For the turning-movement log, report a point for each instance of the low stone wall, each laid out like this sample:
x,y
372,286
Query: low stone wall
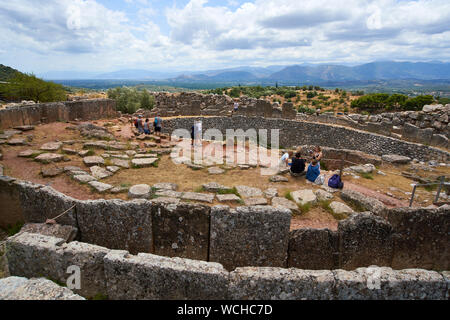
x,y
297,133
246,236
430,126
58,111
197,104
146,276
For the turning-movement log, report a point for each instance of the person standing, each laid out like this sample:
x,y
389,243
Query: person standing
x,y
147,126
235,107
158,125
140,125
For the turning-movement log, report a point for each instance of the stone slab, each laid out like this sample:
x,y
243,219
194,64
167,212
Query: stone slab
x,y
266,245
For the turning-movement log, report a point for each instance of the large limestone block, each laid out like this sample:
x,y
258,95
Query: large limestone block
x,y
313,249
421,238
233,245
117,224
68,233
383,283
365,239
340,208
19,288
10,208
280,284
363,202
35,255
151,277
181,230
39,203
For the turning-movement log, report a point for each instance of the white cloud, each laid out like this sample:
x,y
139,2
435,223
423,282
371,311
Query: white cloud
x,y
83,34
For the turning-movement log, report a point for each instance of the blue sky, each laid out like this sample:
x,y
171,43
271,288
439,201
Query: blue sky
x,y
99,35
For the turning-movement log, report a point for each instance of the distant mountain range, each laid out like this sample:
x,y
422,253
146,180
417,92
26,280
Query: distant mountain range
x,y
387,70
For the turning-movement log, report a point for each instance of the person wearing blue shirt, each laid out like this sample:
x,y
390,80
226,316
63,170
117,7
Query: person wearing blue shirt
x,y
313,171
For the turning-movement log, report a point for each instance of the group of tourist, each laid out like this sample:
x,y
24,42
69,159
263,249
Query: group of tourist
x,y
143,127
297,164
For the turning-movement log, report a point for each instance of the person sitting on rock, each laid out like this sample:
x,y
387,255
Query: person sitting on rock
x,y
147,126
284,161
298,165
313,171
317,154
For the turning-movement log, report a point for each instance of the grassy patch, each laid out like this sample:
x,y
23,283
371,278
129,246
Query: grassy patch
x,y
229,191
99,296
14,229
288,196
368,176
325,205
108,163
125,185
356,206
304,208
90,152
199,189
323,166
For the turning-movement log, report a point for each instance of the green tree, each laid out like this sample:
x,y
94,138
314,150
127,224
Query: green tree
x,y
418,102
28,87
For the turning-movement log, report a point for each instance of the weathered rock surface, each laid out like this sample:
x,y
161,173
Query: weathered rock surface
x,y
303,197
271,193
165,186
28,153
109,223
51,172
313,249
365,239
232,245
67,233
396,159
140,191
362,202
181,230
100,173
121,163
147,276
323,195
285,203
51,146
100,187
19,288
280,284
255,202
17,142
249,192
144,163
340,208
214,187
93,161
228,198
215,170
49,157
201,197
278,179
84,178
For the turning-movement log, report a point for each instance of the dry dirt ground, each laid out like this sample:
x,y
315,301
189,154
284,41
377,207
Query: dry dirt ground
x,y
190,180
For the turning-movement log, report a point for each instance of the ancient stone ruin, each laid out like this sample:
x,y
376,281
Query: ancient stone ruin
x,y
220,242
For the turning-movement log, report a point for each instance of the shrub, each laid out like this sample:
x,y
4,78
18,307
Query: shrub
x,y
130,99
303,109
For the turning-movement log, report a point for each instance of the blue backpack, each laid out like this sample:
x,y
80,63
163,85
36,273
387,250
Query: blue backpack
x,y
335,182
